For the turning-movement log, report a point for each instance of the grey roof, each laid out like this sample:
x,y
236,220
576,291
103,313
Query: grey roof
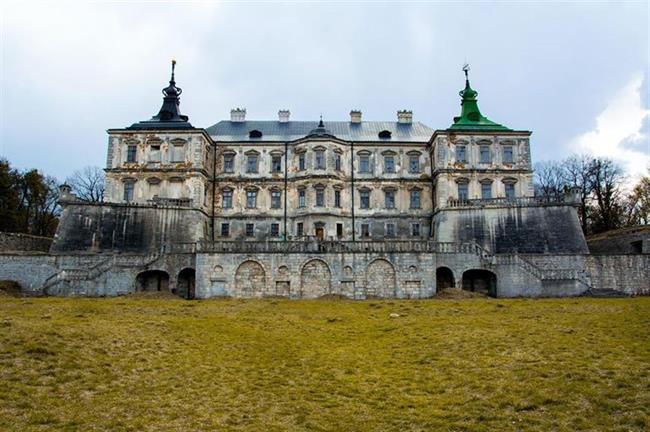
x,y
273,130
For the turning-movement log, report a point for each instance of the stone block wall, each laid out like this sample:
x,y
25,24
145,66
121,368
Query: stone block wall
x,y
627,273
17,242
30,271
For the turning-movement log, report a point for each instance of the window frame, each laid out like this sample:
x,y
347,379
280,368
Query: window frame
x,y
364,199
251,232
225,229
251,193
412,194
226,193
276,199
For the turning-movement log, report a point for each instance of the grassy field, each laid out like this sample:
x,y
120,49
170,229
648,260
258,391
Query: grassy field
x,y
274,365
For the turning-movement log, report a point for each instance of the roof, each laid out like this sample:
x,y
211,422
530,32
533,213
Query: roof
x,y
470,118
273,130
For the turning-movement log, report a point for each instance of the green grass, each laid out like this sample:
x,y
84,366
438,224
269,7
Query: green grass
x,y
274,365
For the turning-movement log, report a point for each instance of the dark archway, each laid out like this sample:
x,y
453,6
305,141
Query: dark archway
x,y
444,278
186,283
152,280
480,281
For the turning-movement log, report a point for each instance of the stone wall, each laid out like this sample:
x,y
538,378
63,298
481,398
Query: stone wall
x,y
552,229
17,242
627,273
29,270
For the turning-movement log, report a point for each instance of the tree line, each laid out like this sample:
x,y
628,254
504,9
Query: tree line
x,y
29,198
607,201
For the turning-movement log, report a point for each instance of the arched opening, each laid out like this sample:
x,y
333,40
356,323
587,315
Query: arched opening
x,y
250,279
186,282
315,279
380,279
444,278
480,281
151,281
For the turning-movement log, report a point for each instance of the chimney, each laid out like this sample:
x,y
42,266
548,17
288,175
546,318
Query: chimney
x,y
355,116
283,116
405,117
238,115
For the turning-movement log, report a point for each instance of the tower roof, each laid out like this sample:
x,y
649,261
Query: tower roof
x,y
169,116
470,117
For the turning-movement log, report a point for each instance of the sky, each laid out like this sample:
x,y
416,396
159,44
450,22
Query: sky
x,y
574,73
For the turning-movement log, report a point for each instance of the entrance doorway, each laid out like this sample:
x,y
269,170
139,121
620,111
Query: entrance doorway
x,y
186,283
444,278
320,230
480,281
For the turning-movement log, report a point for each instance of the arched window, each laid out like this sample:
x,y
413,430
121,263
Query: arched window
x,y
255,134
385,134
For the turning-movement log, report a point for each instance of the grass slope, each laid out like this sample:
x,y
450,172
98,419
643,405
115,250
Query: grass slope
x,y
275,365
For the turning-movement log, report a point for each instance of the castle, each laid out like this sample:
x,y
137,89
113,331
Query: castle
x,y
301,209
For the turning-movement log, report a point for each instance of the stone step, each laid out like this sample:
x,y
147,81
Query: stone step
x,y
606,293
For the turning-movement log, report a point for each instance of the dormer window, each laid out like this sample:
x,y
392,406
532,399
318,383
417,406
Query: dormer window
x,y
255,134
385,134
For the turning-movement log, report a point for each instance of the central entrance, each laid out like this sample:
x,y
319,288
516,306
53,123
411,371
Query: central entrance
x,y
320,230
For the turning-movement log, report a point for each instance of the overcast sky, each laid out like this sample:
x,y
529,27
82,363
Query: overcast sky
x,y
576,74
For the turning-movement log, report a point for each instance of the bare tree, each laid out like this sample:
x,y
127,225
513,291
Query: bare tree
x,y
637,204
578,175
88,184
606,178
550,179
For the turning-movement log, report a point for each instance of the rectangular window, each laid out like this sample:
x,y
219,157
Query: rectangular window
x,y
299,229
128,191
389,164
510,191
364,163
390,230
339,230
276,164
275,230
320,197
178,153
415,229
319,159
507,155
389,199
226,199
462,192
301,162
337,162
365,230
251,199
337,198
276,198
486,190
301,198
251,165
154,153
131,153
365,199
485,154
461,154
229,163
225,230
414,164
415,199
250,230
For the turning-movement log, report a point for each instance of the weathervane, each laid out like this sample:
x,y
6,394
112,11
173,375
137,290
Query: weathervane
x,y
466,70
173,67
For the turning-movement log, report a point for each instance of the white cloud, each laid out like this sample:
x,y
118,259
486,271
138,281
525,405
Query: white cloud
x,y
619,125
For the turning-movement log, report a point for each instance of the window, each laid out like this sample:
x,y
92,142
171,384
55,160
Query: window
x,y
339,230
251,165
131,153
462,191
365,199
177,153
485,154
229,163
384,134
301,162
390,230
415,199
250,230
364,163
319,159
276,163
486,190
337,162
275,230
389,199
461,153
414,164
255,134
389,164
337,198
226,199
154,153
365,230
225,230
128,191
415,229
251,199
507,155
320,197
510,191
301,198
299,229
276,197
